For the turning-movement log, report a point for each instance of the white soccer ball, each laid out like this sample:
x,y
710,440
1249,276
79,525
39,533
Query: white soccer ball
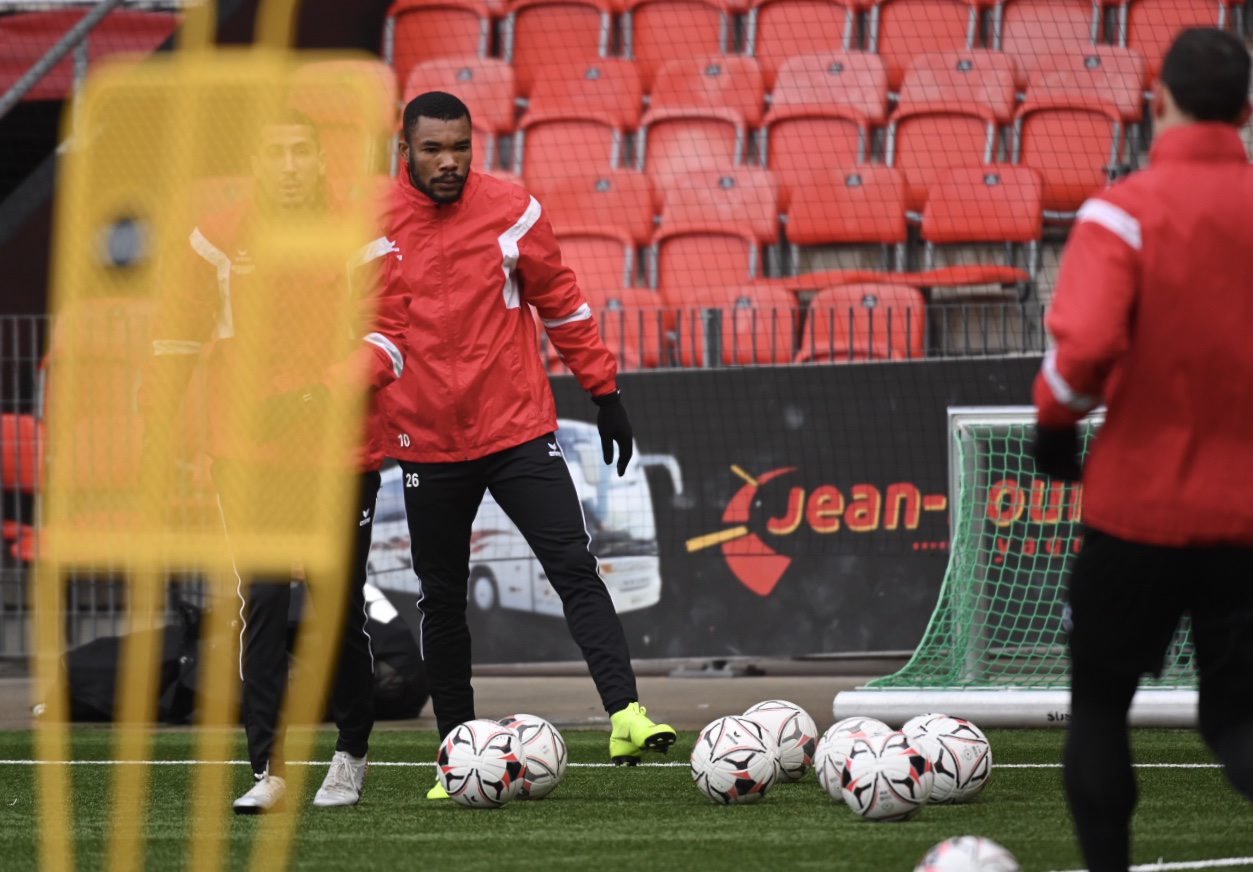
x,y
481,764
834,746
968,854
735,761
910,727
960,755
546,754
793,730
886,778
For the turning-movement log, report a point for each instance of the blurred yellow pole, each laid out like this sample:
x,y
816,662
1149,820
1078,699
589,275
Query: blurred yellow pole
x,y
56,844
276,23
199,25
217,727
136,710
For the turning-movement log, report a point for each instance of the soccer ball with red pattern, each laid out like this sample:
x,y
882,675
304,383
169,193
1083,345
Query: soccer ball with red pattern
x,y
546,754
793,730
968,854
735,761
834,746
886,778
481,764
960,755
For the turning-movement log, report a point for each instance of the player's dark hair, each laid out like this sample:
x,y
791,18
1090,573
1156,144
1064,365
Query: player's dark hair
x,y
1207,72
291,117
434,104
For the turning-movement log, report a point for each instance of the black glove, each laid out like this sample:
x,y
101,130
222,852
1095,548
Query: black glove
x,y
614,426
1056,452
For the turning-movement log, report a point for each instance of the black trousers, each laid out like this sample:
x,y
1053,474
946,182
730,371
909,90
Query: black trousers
x,y
265,604
1126,600
532,484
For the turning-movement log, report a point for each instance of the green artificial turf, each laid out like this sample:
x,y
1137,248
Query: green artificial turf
x,y
641,819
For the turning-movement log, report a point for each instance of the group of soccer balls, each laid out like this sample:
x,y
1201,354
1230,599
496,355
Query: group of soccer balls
x,y
880,773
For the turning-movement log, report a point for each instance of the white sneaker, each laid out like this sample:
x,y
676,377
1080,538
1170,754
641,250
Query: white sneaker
x,y
265,795
344,782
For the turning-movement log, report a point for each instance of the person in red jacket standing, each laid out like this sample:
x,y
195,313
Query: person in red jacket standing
x,y
474,410
1153,314
219,307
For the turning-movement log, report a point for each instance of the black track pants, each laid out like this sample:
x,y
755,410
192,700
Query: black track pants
x,y
1126,600
532,485
266,602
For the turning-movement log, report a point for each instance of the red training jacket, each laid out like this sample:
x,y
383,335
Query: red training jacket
x,y
474,383
1153,314
222,302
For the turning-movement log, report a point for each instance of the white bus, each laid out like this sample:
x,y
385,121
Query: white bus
x,y
504,574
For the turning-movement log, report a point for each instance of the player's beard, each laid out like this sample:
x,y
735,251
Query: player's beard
x,y
416,179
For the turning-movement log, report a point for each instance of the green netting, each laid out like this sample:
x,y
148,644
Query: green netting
x,y
998,620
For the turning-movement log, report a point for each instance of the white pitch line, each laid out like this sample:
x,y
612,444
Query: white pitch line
x,y
1225,863
411,764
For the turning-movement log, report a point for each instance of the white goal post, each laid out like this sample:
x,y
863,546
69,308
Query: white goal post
x,y
994,650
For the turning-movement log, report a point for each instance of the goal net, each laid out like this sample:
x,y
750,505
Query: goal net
x,y
998,624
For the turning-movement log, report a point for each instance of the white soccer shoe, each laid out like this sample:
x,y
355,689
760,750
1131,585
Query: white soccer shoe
x,y
265,795
344,782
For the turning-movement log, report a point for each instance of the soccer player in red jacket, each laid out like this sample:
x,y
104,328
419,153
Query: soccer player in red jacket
x,y
474,411
1153,315
220,305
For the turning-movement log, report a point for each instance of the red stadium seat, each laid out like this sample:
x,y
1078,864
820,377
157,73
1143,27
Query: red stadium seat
x,y
337,113
1106,75
900,30
602,257
712,228
777,30
860,205
1073,141
976,77
675,142
634,323
728,82
864,322
485,85
21,441
1030,30
655,31
607,88
757,324
992,204
25,37
551,146
621,199
539,32
422,30
924,143
822,112
1150,26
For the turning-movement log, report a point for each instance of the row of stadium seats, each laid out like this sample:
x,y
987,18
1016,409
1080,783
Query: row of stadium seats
x,y
1077,123
756,324
534,32
713,229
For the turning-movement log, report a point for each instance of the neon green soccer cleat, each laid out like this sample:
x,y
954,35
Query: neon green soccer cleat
x,y
633,733
437,792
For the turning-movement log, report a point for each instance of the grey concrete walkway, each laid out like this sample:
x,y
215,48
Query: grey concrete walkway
x,y
570,700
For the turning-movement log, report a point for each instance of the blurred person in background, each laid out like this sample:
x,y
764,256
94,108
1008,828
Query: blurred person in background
x,y
215,309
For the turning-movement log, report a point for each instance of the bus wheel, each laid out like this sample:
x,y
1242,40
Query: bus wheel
x,y
483,591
